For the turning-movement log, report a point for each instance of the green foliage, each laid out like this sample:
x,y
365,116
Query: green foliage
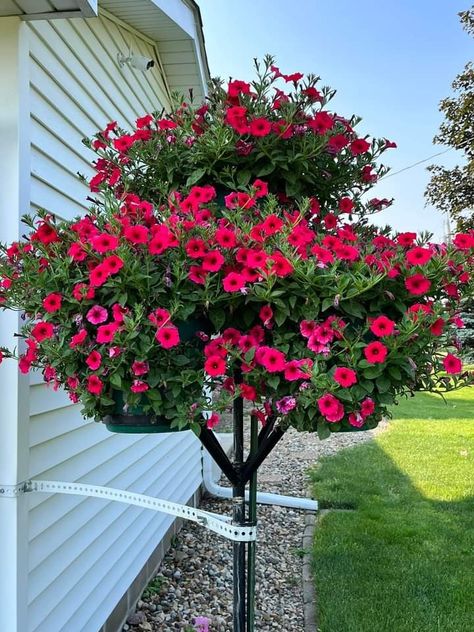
x,y
452,190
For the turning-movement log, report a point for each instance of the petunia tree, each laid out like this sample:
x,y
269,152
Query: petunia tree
x,y
229,257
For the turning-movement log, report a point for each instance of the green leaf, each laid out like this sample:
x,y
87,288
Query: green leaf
x,y
217,317
344,394
352,308
195,176
266,170
249,356
181,360
395,372
273,381
368,385
280,317
116,380
323,430
386,398
249,317
372,372
243,177
383,384
328,302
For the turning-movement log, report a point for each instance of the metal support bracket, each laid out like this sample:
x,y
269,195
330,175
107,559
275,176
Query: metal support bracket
x,y
214,522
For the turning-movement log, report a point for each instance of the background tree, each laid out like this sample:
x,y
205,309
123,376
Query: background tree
x,y
452,190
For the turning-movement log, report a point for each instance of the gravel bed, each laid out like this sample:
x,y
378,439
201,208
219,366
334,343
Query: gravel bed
x,y
195,577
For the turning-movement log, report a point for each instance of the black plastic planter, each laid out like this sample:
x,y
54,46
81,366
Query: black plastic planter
x,y
131,419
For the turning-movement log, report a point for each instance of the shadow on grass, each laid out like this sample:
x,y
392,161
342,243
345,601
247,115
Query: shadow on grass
x,y
401,562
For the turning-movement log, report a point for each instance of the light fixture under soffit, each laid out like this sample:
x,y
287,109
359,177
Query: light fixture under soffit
x,y
135,61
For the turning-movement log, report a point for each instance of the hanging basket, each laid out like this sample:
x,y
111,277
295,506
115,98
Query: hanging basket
x,y
131,419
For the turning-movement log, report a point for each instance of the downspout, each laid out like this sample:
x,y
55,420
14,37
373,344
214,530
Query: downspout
x,y
263,498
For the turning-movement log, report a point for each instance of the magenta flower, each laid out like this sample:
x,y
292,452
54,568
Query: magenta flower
x,y
201,624
97,315
285,405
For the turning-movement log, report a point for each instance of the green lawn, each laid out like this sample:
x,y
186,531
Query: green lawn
x,y
403,559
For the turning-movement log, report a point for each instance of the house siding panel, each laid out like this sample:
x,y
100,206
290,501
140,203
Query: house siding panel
x,y
85,552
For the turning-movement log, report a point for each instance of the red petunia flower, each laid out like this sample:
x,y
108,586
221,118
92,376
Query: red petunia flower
x,y
197,274
123,143
346,205
42,331
382,326
98,276
359,146
337,143
272,224
233,282
406,239
331,408
452,364
112,264
139,386
212,421
272,359
76,252
298,370
225,237
94,360
52,302
104,242
46,234
260,188
266,314
78,339
106,333
281,266
321,123
375,352
140,368
82,291
94,385
168,336
136,234
213,261
367,407
418,256
463,241
437,327
248,392
417,284
345,377
215,366
260,127
196,248
356,420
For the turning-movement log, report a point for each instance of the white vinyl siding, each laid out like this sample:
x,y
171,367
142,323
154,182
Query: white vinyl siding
x,y
84,553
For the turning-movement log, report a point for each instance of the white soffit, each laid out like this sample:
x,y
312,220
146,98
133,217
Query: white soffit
x,y
48,9
176,27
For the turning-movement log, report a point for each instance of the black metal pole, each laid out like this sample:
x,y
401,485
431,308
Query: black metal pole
x,y
238,493
252,551
212,445
254,461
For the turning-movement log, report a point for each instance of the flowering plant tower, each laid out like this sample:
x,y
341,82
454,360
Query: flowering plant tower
x,y
228,256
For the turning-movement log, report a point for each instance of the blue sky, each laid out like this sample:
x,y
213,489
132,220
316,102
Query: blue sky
x,y
391,61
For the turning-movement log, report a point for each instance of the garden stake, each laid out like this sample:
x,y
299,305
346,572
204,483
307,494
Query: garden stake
x,y
252,520
238,493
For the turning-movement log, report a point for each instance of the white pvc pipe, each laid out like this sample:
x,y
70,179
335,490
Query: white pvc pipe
x,y
263,498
